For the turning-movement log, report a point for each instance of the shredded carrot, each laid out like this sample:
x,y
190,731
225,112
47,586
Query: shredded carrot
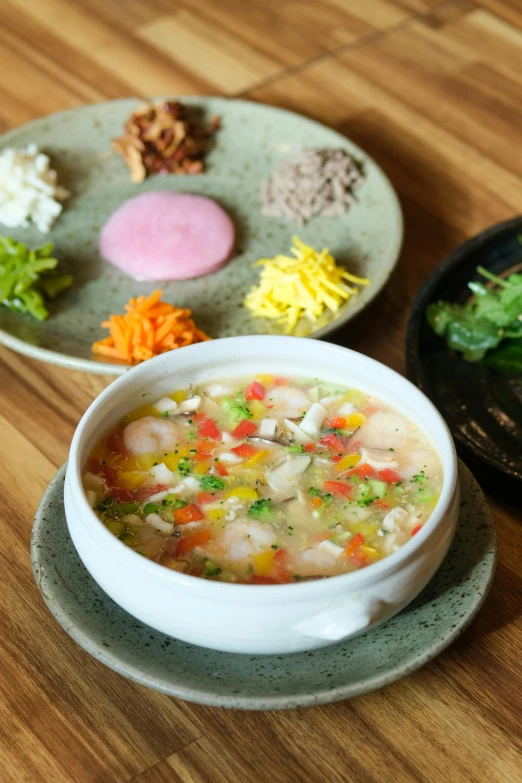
x,y
148,328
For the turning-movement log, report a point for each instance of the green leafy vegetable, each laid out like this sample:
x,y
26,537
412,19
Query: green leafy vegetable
x,y
26,276
480,325
114,510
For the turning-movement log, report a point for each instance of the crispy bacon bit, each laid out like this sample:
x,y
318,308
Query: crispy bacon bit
x,y
161,138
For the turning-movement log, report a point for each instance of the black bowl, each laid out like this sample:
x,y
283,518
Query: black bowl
x,y
482,406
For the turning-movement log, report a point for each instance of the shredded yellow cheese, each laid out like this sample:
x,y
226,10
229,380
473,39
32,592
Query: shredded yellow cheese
x,y
304,284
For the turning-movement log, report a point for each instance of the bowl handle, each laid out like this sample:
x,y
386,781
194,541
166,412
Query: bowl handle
x,y
342,621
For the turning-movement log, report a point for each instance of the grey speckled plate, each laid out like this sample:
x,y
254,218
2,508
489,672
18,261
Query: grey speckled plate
x,y
252,142
267,682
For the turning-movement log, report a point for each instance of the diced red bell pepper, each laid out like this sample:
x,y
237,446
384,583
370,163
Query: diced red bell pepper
x,y
309,447
334,442
122,495
339,423
208,429
208,497
196,569
338,488
115,443
200,457
197,417
187,543
110,473
221,469
190,513
416,529
279,381
255,391
143,493
279,570
94,466
336,458
380,503
389,475
244,450
363,471
353,545
244,429
204,447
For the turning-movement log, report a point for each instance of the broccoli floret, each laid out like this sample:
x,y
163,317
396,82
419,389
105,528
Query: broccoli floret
x,y
237,410
211,482
261,509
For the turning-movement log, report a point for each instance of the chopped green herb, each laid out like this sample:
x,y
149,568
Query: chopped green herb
x,y
27,276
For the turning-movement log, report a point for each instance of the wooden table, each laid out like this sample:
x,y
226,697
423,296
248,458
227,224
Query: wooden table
x,y
433,90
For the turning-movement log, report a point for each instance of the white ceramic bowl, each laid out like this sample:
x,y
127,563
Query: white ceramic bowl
x,y
259,618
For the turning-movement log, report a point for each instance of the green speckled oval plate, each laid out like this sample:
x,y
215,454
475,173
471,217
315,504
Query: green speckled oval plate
x,y
253,140
267,682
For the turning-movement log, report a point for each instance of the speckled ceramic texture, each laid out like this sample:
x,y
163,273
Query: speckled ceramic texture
x,y
265,682
249,147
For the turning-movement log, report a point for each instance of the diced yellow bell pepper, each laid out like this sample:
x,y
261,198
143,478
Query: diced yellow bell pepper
x,y
355,420
356,397
101,452
370,551
129,480
350,461
145,461
216,513
171,461
257,458
183,451
265,379
144,410
178,396
263,563
242,493
202,467
257,409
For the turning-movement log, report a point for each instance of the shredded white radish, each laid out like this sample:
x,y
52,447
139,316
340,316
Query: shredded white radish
x,y
190,405
166,405
154,520
90,481
158,496
300,436
231,459
162,474
267,428
313,420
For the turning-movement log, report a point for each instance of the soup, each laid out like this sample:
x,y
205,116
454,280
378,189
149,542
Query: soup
x,y
264,480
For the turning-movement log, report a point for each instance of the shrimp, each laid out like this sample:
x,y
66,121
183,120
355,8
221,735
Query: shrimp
x,y
318,559
150,435
242,538
287,402
417,460
385,431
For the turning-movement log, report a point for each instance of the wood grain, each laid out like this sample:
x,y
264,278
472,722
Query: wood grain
x,y
433,91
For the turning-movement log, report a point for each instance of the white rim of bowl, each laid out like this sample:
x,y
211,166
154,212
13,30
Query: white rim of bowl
x,y
244,593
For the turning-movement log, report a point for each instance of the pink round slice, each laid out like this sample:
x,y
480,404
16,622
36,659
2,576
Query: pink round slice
x,y
167,236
